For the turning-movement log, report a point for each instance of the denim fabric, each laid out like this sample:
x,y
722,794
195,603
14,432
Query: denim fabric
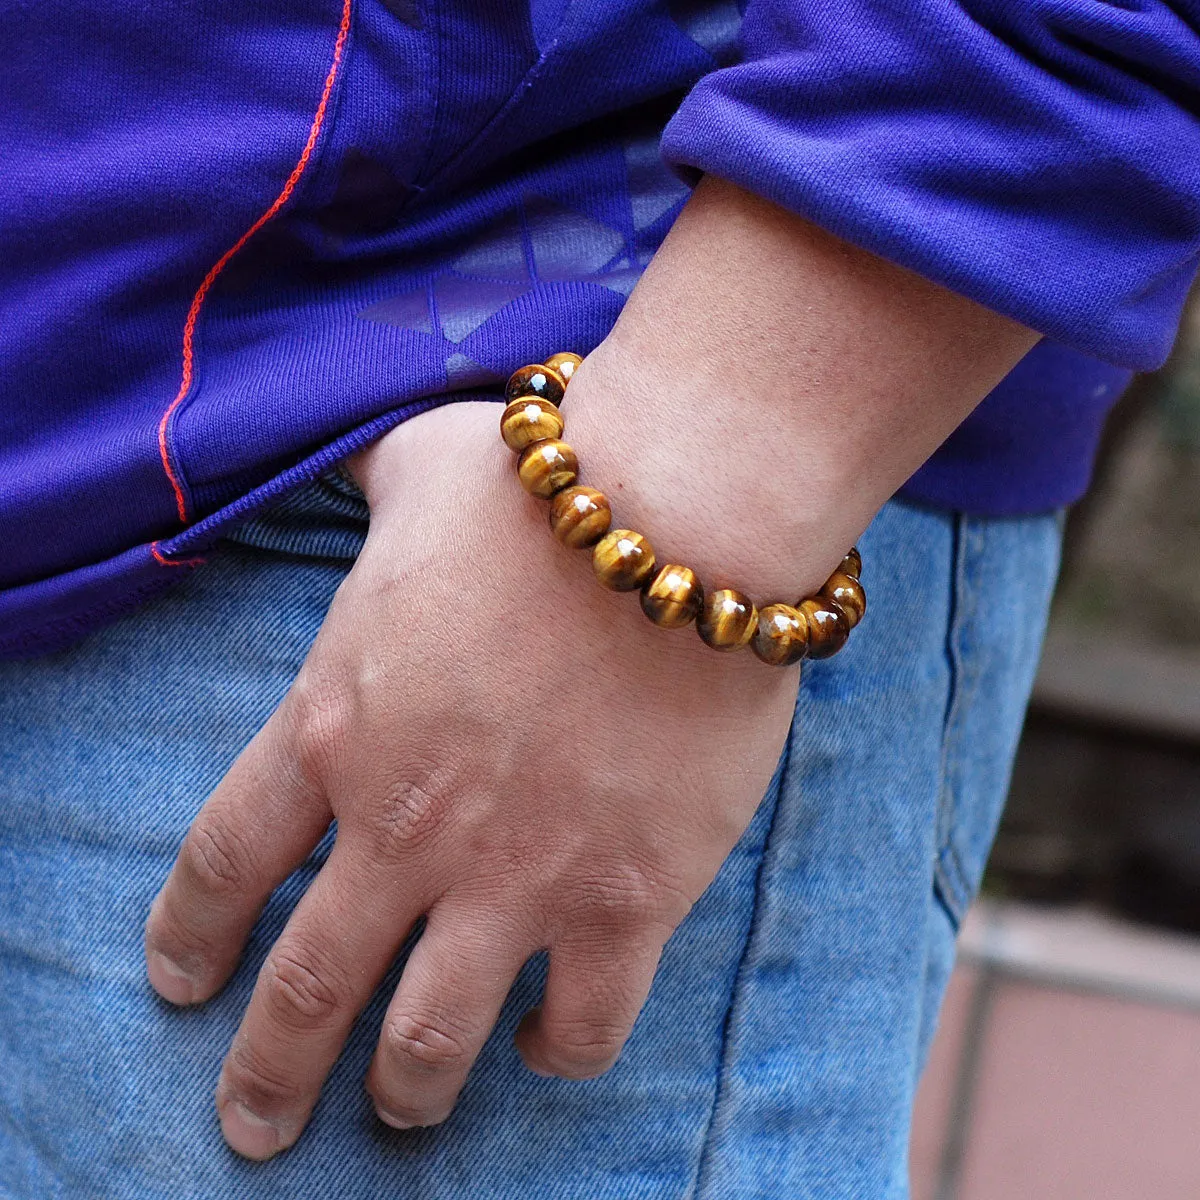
x,y
779,1049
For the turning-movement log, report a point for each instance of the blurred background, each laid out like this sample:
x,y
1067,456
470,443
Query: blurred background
x,y
1067,1064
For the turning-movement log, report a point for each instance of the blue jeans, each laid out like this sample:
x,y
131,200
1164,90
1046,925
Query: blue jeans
x,y
779,1050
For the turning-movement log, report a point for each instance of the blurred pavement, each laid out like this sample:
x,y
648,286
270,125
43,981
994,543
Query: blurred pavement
x,y
1067,1064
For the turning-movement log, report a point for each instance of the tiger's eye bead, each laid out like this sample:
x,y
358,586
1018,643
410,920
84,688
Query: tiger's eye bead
x,y
545,467
781,637
828,627
529,419
623,560
852,564
727,619
580,516
536,380
565,364
672,597
848,594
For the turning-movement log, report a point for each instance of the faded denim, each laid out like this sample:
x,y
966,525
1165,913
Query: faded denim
x,y
779,1050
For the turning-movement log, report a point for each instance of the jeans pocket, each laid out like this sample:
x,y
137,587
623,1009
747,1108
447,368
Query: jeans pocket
x,y
324,519
1003,580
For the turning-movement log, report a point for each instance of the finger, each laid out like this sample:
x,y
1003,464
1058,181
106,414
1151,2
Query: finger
x,y
261,822
592,997
318,977
448,1000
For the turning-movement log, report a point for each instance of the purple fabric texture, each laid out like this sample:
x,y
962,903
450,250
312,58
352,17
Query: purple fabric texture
x,y
486,186
1041,157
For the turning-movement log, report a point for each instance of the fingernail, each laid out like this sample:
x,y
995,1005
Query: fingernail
x,y
169,979
391,1119
249,1134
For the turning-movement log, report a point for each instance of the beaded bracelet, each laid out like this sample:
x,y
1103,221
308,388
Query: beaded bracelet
x,y
671,595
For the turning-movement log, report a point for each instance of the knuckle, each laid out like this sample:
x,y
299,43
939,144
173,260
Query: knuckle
x,y
583,1050
298,994
216,856
408,817
628,895
321,719
169,932
424,1043
264,1085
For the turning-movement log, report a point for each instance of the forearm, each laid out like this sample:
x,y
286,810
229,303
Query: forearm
x,y
768,387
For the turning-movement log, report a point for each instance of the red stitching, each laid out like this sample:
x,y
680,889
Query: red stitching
x,y
174,562
189,328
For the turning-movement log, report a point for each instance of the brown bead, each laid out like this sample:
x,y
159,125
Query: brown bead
x,y
828,627
545,467
672,597
566,364
623,560
848,594
580,516
727,619
536,380
529,419
852,564
781,637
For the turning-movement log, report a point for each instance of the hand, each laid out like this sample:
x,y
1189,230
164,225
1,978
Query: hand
x,y
510,751
515,753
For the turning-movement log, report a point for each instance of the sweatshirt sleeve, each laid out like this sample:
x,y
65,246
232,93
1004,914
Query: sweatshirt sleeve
x,y
1039,156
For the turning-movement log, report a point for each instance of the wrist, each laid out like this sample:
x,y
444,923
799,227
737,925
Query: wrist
x,y
768,387
721,484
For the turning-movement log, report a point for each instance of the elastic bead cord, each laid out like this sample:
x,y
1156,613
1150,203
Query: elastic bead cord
x,y
623,560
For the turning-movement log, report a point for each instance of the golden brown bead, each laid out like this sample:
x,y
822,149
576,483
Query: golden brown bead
x,y
672,597
580,516
781,637
545,467
848,594
727,619
623,560
536,380
828,627
852,564
529,419
566,364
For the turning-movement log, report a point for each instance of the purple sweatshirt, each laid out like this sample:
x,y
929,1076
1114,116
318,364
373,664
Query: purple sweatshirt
x,y
239,239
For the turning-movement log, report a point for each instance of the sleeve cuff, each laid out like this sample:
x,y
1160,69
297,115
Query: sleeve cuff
x,y
1070,206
